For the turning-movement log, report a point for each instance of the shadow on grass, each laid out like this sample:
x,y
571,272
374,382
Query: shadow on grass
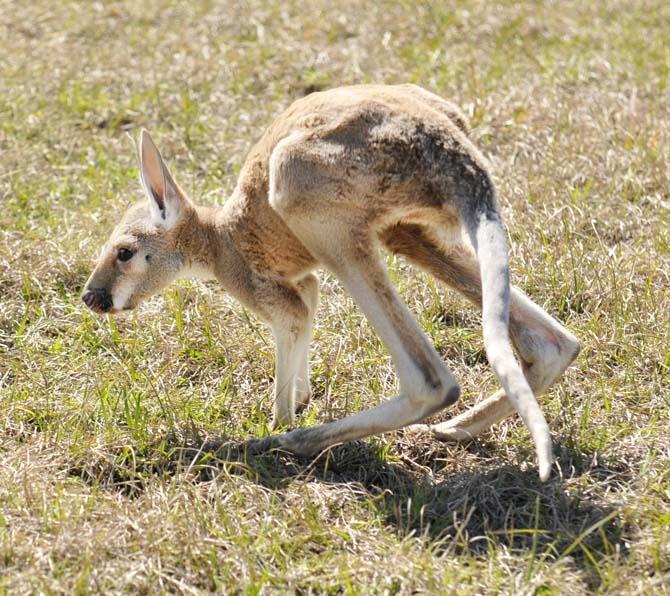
x,y
455,510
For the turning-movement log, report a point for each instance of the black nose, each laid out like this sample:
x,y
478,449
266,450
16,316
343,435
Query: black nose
x,y
97,299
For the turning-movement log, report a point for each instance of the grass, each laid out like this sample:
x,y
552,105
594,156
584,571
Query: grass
x,y
122,466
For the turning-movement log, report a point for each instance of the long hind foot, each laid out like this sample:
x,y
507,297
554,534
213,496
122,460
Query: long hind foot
x,y
546,349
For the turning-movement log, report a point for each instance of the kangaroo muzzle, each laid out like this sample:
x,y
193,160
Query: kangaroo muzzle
x,y
98,300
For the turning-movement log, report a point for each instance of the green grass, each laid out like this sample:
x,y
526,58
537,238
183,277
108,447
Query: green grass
x,y
122,461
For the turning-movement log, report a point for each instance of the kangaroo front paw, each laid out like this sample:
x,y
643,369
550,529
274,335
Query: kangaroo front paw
x,y
303,394
282,421
302,401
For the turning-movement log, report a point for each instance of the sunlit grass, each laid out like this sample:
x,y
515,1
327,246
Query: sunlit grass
x,y
122,460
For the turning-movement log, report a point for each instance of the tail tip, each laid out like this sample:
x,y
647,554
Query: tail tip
x,y
545,469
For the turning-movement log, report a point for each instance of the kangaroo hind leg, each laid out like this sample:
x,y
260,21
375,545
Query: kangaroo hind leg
x,y
545,347
426,385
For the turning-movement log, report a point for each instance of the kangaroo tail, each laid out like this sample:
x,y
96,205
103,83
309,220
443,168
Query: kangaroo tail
x,y
486,232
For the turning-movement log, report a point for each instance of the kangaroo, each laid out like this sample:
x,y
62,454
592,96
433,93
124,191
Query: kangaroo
x,y
339,174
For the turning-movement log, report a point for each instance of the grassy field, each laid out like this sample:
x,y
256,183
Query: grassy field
x,y
122,466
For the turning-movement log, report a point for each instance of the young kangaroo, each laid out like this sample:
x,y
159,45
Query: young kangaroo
x,y
337,175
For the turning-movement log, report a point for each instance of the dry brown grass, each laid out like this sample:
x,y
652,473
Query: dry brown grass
x,y
122,462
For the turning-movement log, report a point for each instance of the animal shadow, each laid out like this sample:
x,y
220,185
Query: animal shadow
x,y
458,499
454,507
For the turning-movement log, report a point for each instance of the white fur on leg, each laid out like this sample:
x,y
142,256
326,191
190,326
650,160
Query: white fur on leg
x,y
290,347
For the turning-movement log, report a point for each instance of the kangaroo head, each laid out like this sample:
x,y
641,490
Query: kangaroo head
x,y
142,254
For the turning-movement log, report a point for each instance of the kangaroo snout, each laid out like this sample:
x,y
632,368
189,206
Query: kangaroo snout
x,y
97,299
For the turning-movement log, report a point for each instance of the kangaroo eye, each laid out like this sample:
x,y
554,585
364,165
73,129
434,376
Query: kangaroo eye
x,y
125,254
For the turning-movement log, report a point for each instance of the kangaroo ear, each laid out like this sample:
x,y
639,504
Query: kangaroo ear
x,y
165,198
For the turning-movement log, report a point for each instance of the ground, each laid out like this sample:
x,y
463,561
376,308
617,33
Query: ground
x,y
122,461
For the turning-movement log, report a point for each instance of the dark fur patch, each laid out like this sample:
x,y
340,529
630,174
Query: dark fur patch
x,y
414,243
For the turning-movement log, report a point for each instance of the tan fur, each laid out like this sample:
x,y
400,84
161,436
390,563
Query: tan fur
x,y
335,176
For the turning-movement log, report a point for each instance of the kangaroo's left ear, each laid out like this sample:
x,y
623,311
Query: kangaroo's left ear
x,y
165,199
